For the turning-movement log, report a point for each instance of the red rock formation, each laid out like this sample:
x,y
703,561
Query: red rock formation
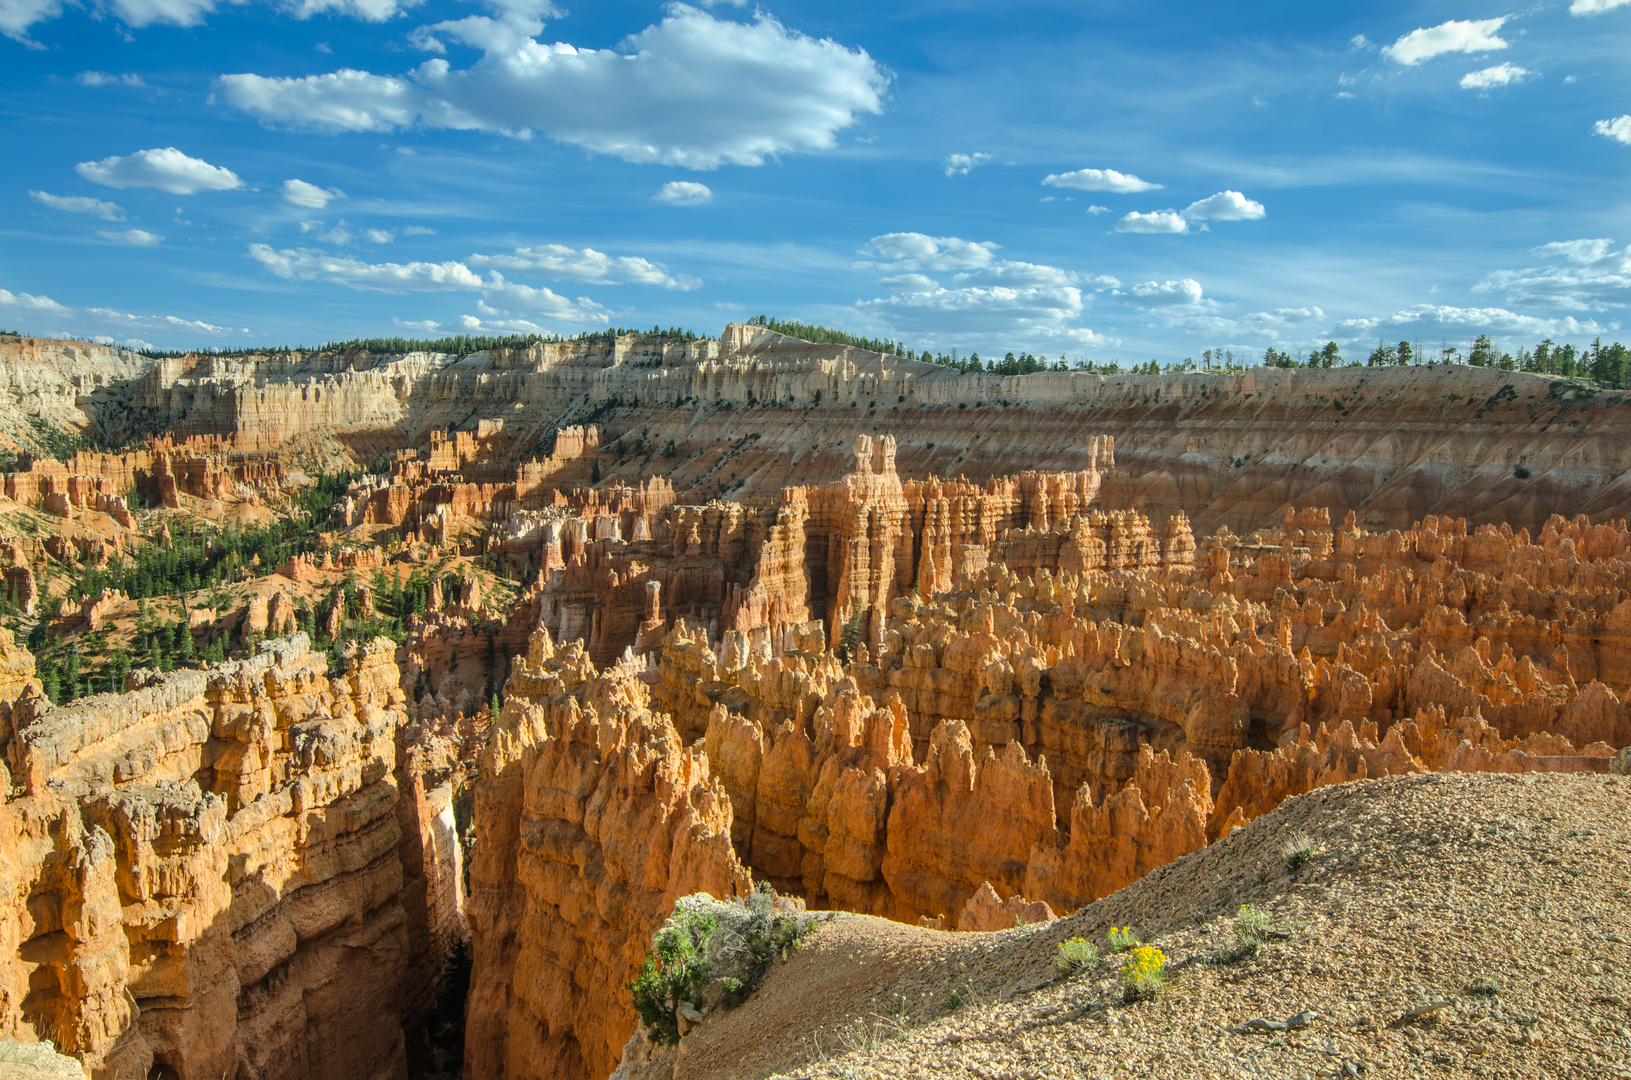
x,y
206,873
592,819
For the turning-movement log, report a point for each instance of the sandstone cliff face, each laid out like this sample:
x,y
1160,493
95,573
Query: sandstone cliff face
x,y
206,874
592,819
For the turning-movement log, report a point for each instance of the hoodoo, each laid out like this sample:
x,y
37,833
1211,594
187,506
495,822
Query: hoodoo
x,y
389,716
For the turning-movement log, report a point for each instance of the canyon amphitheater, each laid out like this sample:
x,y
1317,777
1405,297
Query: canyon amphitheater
x,y
747,707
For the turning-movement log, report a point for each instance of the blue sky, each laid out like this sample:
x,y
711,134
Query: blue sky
x,y
1095,180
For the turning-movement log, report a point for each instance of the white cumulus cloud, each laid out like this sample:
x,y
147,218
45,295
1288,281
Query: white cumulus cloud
x,y
693,90
1224,206
963,164
585,265
1595,7
80,204
1499,75
310,196
1588,275
1100,180
1618,129
133,237
28,303
1155,221
684,193
1457,35
167,169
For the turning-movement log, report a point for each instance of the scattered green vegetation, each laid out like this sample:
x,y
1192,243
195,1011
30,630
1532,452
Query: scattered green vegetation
x,y
956,998
199,558
1075,955
850,637
1521,472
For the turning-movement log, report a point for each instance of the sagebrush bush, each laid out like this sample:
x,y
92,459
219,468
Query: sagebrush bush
x,y
1143,974
1298,850
1251,925
1076,954
1121,938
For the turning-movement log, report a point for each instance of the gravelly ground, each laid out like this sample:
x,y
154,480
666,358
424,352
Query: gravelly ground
x,y
1424,887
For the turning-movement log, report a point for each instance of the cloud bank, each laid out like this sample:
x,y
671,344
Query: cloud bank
x,y
693,91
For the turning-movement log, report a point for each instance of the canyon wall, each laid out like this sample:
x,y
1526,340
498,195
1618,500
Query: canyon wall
x,y
755,412
209,875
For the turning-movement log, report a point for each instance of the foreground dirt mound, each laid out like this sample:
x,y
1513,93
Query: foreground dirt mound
x,y
1505,898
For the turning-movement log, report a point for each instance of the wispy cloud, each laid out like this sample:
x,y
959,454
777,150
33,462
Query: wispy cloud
x,y
102,78
1584,275
80,204
309,196
133,237
963,164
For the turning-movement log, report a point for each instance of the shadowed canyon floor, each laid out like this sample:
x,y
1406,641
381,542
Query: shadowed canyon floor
x,y
419,658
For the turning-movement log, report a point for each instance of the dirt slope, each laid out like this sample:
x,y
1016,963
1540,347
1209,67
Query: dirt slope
x,y
1425,887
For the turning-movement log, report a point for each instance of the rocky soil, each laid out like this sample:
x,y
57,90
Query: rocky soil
x,y
1448,925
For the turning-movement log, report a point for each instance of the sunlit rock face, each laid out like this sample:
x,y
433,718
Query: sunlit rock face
x,y
206,874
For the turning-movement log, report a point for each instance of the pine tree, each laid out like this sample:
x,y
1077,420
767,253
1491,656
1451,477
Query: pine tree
x,y
184,653
70,674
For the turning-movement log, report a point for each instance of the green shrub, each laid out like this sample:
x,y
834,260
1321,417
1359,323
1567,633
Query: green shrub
x,y
1076,954
1251,925
1122,938
1143,974
675,970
